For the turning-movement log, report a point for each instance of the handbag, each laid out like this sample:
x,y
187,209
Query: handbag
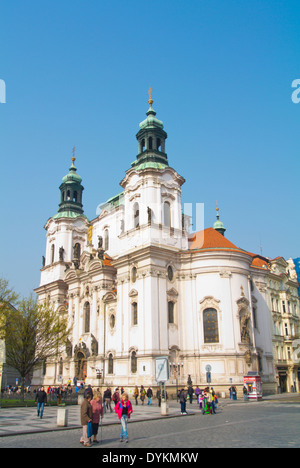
x,y
89,430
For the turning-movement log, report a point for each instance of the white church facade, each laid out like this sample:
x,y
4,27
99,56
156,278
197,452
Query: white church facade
x,y
136,285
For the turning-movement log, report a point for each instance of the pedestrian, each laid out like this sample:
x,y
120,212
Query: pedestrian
x,y
41,399
97,408
182,399
149,395
213,400
197,393
124,409
142,394
245,392
89,391
158,396
191,393
107,399
136,394
116,396
86,418
234,393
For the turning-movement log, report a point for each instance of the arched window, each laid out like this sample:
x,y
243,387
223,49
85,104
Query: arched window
x,y
134,312
110,364
150,143
68,195
77,251
75,196
171,312
52,253
133,274
210,325
112,321
87,315
106,239
167,214
133,363
136,215
143,145
158,144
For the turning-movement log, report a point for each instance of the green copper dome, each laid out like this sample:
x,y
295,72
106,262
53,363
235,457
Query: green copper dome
x,y
151,121
72,176
151,139
218,225
71,194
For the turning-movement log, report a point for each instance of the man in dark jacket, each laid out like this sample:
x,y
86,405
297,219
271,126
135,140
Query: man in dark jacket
x,y
41,399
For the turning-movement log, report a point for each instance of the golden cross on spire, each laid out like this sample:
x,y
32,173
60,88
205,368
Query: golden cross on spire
x,y
150,96
217,208
73,158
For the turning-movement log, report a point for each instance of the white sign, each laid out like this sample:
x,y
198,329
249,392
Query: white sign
x,y
162,369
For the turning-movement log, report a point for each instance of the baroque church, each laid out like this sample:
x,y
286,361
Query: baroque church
x,y
136,284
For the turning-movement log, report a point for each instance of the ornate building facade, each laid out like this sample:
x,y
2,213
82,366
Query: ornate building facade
x,y
136,285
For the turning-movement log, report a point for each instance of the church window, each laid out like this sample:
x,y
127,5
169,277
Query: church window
x,y
110,364
167,214
134,311
52,253
133,363
133,274
75,196
170,273
68,195
143,145
106,239
112,321
136,215
158,144
87,315
171,312
210,324
150,143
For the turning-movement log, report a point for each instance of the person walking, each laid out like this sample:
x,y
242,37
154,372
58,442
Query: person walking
x,y
149,395
191,393
41,399
124,409
97,411
107,399
136,394
86,414
142,394
182,399
158,396
116,396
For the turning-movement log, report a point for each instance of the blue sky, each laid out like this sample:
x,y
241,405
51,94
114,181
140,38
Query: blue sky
x,y
77,74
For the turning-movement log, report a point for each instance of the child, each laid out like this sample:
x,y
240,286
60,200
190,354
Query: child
x,y
124,409
97,407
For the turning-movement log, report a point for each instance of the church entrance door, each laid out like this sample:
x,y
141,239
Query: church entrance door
x,y
81,366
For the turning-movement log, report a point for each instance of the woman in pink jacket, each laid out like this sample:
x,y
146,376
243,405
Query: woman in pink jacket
x,y
124,409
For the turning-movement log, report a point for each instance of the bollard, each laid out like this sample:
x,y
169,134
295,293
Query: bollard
x,y
164,408
80,399
62,417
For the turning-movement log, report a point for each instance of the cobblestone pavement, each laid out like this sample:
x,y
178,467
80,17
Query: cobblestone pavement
x,y
269,424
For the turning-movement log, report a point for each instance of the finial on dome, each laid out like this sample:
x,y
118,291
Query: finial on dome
x,y
218,225
73,157
150,96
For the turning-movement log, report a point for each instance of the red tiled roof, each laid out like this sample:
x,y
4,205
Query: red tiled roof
x,y
210,239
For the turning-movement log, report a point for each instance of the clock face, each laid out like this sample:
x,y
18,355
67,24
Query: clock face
x,y
162,369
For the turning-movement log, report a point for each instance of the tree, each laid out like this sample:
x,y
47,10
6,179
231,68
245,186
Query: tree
x,y
8,298
33,333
